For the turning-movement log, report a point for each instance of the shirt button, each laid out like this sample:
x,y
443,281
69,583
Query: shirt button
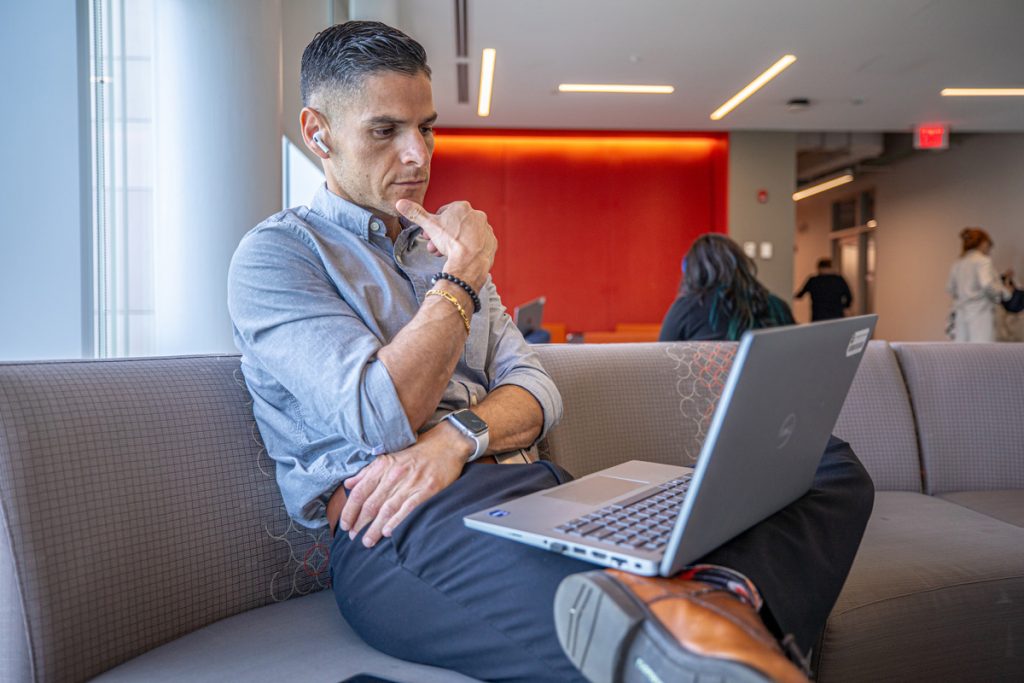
x,y
375,226
398,259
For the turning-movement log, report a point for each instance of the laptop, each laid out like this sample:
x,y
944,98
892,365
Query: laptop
x,y
779,405
528,316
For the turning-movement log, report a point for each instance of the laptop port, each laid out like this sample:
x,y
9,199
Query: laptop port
x,y
580,551
598,555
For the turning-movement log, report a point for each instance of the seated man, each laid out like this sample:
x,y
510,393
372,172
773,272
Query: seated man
x,y
374,344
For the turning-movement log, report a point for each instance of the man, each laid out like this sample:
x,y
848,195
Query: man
x,y
368,326
830,295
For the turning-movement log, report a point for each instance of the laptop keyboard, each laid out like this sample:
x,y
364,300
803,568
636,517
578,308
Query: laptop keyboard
x,y
643,521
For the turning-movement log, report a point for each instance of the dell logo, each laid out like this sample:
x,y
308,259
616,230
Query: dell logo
x,y
498,513
787,430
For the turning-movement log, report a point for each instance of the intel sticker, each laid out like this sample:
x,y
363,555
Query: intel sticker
x,y
498,513
857,342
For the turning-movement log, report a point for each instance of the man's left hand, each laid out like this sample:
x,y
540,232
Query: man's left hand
x,y
384,492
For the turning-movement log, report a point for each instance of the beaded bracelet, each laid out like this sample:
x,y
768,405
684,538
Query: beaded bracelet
x,y
454,302
461,283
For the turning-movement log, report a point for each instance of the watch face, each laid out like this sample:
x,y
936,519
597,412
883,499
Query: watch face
x,y
470,421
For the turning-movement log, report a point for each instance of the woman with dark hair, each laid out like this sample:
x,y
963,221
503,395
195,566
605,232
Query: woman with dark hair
x,y
720,297
976,289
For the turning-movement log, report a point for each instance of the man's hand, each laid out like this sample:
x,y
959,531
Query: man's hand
x,y
384,492
460,233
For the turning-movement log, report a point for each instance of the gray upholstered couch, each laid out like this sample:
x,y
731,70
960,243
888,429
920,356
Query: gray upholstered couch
x,y
143,538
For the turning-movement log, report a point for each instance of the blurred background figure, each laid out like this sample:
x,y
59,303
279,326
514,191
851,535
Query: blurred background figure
x,y
976,289
720,296
830,295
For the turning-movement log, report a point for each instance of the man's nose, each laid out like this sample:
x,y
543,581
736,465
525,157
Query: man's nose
x,y
415,150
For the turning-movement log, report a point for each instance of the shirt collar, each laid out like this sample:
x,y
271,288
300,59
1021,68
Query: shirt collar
x,y
347,215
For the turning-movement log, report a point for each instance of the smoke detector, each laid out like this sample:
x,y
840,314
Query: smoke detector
x,y
798,104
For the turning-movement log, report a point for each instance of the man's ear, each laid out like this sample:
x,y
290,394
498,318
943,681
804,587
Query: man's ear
x,y
315,132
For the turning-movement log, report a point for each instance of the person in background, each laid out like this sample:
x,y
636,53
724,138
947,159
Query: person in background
x,y
976,289
720,296
830,295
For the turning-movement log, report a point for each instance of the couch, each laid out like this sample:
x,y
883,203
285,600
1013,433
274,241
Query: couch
x,y
142,537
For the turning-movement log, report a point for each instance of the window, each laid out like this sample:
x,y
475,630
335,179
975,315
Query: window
x,y
121,50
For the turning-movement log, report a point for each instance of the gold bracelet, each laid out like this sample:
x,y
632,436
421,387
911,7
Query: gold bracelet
x,y
455,302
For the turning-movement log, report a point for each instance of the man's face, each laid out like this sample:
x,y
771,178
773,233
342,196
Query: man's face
x,y
382,138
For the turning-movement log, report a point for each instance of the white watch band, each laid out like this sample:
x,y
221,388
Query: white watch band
x,y
481,440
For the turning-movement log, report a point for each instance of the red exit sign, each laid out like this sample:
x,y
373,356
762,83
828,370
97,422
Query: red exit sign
x,y
931,136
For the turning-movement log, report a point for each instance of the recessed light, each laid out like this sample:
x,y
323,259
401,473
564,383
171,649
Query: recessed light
x,y
483,107
822,187
982,92
755,85
616,88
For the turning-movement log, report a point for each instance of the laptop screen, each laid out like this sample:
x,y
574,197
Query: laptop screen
x,y
528,316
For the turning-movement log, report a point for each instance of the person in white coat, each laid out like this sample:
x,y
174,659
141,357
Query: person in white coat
x,y
976,289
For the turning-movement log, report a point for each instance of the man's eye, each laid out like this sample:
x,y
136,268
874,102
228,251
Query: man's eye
x,y
383,132
427,130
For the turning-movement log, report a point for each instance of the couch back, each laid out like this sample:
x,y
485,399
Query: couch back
x,y
672,391
136,505
969,404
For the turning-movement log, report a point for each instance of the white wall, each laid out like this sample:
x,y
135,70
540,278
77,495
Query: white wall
x,y
764,161
921,204
45,247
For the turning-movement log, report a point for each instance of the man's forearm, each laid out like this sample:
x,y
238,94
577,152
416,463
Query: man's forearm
x,y
514,418
422,357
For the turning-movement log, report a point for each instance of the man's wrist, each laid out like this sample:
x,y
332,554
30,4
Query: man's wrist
x,y
457,443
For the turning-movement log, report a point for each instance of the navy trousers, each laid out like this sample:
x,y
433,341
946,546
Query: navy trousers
x,y
441,594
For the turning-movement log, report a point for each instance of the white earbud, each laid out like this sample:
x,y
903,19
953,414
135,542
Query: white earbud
x,y
319,141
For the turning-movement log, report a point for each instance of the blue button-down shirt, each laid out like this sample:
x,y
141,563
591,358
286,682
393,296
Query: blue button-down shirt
x,y
314,293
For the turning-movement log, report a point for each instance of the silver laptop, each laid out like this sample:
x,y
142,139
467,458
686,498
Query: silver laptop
x,y
770,427
529,315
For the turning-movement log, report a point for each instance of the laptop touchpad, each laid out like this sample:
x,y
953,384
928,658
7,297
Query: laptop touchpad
x,y
595,489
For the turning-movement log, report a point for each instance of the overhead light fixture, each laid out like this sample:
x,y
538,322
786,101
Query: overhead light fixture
x,y
982,92
755,85
613,88
823,186
483,107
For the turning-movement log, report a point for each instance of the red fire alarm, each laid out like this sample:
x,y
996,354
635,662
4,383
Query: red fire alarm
x,y
931,136
762,196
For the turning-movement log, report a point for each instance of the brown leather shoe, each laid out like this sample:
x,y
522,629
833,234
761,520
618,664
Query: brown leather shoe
x,y
618,628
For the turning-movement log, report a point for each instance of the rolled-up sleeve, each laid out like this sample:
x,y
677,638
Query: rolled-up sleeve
x,y
291,320
511,361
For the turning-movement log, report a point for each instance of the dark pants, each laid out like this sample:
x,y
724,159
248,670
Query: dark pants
x,y
441,594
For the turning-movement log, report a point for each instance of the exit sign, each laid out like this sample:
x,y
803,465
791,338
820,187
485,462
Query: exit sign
x,y
931,136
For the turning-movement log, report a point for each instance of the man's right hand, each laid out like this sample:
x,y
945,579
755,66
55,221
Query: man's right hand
x,y
460,233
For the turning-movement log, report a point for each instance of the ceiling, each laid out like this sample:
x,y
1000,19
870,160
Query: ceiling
x,y
865,65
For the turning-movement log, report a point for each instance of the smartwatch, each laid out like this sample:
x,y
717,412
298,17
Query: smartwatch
x,y
467,422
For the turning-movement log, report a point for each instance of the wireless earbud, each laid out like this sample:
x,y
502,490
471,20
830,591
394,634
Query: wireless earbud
x,y
319,141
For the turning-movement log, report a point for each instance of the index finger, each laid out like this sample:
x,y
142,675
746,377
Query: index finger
x,y
357,495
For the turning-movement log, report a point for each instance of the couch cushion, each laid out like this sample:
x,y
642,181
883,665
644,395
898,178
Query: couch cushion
x,y
656,398
299,640
139,505
968,402
1007,506
877,422
933,586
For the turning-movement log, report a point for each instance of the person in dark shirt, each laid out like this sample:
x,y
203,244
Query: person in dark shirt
x,y
830,295
720,297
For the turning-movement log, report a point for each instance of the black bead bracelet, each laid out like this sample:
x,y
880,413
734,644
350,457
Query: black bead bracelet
x,y
461,283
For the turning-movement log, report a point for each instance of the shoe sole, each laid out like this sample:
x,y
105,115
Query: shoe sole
x,y
612,637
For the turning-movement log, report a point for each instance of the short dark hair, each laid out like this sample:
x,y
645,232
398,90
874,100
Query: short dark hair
x,y
340,57
824,263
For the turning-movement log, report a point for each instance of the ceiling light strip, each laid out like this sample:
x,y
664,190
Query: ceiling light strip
x,y
483,107
614,88
755,85
822,187
982,92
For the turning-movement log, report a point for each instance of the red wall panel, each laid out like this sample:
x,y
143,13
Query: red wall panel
x,y
596,222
